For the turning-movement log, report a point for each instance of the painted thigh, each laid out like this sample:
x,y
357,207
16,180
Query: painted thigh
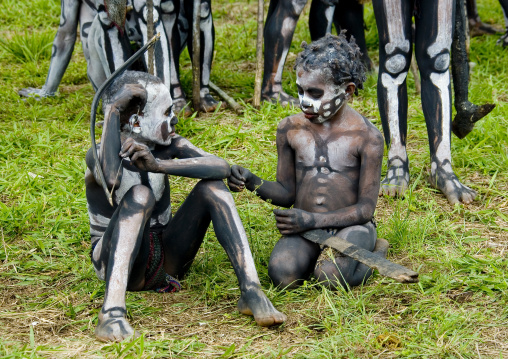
x,y
336,269
124,245
292,261
87,13
108,47
209,201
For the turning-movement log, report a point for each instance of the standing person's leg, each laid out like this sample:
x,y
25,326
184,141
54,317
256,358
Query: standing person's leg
x,y
177,35
210,201
467,113
349,16
476,26
207,36
503,40
279,29
120,258
320,19
393,19
433,57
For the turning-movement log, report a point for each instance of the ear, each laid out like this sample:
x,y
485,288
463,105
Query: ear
x,y
350,89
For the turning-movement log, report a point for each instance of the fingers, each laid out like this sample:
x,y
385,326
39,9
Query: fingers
x,y
237,172
130,146
234,187
140,154
236,181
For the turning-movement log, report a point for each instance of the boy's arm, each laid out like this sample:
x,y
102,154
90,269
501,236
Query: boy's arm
x,y
110,139
282,192
296,220
180,158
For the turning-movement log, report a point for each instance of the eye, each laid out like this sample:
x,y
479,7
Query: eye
x,y
316,93
300,90
168,111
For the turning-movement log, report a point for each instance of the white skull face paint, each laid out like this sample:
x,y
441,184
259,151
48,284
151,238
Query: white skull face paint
x,y
320,98
156,122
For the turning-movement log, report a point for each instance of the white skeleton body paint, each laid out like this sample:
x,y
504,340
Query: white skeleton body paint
x,y
433,57
144,247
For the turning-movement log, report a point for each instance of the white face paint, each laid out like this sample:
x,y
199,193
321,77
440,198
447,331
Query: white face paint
x,y
155,124
320,98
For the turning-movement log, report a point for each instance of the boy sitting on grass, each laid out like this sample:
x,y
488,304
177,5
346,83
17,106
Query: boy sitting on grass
x,y
328,169
138,244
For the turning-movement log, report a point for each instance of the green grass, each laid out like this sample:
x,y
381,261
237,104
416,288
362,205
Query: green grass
x,y
50,296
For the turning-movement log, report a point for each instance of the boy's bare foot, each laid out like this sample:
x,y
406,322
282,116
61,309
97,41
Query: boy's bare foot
x,y
443,179
113,327
254,302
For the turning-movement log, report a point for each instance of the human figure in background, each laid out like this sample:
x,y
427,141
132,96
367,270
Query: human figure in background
x,y
347,15
433,38
476,26
177,19
72,13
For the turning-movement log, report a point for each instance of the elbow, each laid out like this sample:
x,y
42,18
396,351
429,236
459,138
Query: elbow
x,y
365,213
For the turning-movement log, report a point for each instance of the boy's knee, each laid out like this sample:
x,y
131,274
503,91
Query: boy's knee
x,y
213,190
142,196
284,273
329,275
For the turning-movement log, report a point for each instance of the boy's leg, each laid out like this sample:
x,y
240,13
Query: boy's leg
x,y
210,201
292,261
122,248
334,270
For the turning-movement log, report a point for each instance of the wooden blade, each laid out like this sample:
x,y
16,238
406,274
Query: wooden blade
x,y
384,266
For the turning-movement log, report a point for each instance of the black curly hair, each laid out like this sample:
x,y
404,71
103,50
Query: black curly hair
x,y
336,55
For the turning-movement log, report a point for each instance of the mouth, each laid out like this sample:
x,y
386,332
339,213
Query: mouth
x,y
310,116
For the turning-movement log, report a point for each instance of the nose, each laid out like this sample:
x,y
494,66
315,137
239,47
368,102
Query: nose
x,y
305,103
173,121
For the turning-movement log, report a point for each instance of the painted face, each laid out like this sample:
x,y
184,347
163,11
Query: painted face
x,y
156,123
320,98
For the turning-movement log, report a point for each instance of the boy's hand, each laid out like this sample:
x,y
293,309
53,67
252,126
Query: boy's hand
x,y
292,221
140,155
239,177
130,95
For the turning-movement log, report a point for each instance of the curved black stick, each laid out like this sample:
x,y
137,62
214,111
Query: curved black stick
x,y
467,112
95,104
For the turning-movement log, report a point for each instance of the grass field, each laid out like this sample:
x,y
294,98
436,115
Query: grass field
x,y
50,296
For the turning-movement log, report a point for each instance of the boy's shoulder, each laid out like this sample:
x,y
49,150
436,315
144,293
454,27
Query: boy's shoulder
x,y
292,122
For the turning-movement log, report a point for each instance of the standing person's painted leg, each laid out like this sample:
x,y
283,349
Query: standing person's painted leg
x,y
395,59
433,57
279,29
